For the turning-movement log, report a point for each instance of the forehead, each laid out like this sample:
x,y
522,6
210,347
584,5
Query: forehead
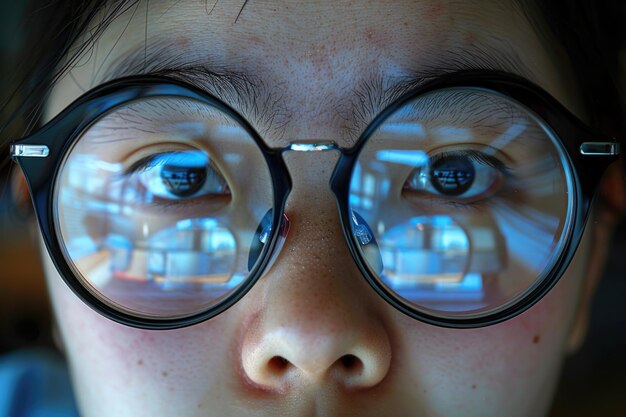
x,y
311,69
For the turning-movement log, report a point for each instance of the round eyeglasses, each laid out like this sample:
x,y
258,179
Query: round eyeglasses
x,y
462,203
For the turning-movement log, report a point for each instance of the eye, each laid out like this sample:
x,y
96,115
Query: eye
x,y
179,175
459,175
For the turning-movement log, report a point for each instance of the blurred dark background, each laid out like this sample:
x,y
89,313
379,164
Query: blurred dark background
x,y
593,381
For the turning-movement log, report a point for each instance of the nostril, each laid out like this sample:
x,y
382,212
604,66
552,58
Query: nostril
x,y
288,357
278,365
351,363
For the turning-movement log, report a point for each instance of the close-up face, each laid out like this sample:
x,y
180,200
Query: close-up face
x,y
460,199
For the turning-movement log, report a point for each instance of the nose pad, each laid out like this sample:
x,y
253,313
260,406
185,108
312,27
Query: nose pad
x,y
367,242
262,235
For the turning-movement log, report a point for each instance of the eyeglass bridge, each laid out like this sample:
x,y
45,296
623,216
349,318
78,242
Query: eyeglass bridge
x,y
312,145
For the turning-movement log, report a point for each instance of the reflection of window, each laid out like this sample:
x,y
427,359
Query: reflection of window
x,y
87,173
449,239
367,186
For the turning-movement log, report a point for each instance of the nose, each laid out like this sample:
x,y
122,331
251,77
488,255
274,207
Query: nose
x,y
306,334
317,320
287,356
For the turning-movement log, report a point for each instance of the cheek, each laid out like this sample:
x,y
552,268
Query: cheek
x,y
116,364
510,366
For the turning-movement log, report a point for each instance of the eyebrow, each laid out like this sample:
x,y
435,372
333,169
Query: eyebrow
x,y
261,105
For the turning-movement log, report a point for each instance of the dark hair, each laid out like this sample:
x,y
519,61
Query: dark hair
x,y
589,32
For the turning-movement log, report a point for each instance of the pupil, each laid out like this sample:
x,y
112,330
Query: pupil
x,y
452,175
183,181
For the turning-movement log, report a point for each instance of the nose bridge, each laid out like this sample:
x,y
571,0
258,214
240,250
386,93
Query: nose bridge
x,y
316,242
317,317
311,205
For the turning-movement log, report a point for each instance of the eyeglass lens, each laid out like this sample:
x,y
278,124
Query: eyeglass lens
x,y
159,204
465,195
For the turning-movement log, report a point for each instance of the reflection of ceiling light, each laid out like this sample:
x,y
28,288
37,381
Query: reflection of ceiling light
x,y
414,158
511,133
187,129
403,129
420,227
453,133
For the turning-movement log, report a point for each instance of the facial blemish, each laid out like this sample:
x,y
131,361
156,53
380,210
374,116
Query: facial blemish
x,y
536,339
474,386
164,374
140,362
376,39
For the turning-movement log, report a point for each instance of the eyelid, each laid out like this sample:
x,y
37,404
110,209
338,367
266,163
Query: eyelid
x,y
134,159
206,180
418,183
477,156
156,159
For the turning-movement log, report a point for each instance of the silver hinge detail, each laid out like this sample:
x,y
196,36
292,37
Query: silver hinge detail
x,y
30,151
600,148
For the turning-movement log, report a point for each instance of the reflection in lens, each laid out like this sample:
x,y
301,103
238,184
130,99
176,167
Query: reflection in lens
x,y
424,252
469,196
452,175
157,204
195,250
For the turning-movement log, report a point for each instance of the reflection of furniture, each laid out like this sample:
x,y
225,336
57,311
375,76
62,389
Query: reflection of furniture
x,y
442,262
426,250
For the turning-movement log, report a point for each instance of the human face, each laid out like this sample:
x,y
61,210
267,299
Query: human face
x,y
345,351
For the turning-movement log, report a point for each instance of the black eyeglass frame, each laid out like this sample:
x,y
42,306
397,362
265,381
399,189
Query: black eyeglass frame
x,y
61,133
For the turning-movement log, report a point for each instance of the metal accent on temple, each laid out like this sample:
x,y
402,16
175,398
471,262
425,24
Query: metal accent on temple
x,y
600,148
30,151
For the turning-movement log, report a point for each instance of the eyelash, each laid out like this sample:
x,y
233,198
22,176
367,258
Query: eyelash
x,y
158,203
476,156
142,165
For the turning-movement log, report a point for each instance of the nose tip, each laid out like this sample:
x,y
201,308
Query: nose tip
x,y
285,358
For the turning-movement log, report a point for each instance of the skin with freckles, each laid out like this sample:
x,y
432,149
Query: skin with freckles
x,y
311,338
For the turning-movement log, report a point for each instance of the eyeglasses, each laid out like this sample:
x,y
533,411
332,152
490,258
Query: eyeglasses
x,y
462,203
